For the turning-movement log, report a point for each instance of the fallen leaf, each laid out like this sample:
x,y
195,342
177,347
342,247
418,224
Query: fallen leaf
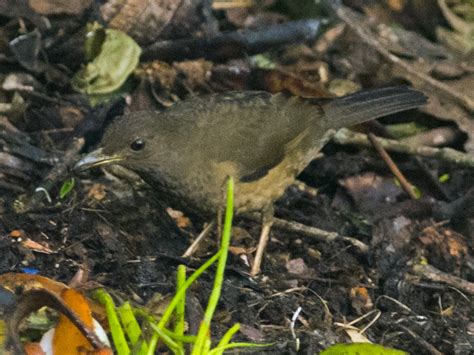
x,y
360,300
37,247
97,192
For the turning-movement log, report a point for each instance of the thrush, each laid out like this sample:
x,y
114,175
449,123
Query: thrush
x,y
263,140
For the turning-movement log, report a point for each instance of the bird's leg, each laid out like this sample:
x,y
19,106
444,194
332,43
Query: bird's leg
x,y
267,221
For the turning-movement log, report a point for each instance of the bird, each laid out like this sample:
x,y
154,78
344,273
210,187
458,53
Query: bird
x,y
262,140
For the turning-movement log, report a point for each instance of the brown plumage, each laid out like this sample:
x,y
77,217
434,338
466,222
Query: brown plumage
x,y
263,140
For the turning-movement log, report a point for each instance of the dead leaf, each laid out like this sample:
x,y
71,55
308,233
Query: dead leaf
x,y
37,247
278,80
33,292
53,7
181,220
146,21
296,266
240,250
26,282
67,337
443,245
356,336
97,192
360,300
252,333
371,192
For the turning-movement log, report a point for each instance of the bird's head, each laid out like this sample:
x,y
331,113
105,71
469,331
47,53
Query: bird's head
x,y
129,141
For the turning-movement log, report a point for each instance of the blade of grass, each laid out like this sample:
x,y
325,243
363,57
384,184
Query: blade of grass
x,y
228,336
169,310
188,339
181,306
182,338
220,350
131,326
167,340
115,328
203,333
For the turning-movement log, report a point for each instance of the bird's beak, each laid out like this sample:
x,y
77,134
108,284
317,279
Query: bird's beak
x,y
95,158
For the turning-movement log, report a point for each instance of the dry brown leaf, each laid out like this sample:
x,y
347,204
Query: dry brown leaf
x,y
180,219
12,281
97,192
53,7
360,300
37,247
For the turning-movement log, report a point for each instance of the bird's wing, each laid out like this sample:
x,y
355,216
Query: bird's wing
x,y
253,130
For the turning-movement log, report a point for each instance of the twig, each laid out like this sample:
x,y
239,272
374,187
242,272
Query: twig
x,y
433,274
313,232
345,136
406,185
232,4
234,44
193,247
420,340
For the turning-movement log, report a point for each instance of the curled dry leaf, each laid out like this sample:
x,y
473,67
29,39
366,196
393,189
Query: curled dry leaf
x,y
76,329
26,282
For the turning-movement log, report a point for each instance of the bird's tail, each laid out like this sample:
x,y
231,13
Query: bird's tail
x,y
369,104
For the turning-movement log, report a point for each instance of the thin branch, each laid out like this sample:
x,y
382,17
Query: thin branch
x,y
406,185
234,44
345,136
313,232
433,274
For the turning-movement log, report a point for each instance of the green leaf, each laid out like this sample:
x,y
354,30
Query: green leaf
x,y
262,61
444,178
403,130
361,349
66,187
113,57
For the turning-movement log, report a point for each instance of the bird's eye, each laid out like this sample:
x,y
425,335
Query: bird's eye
x,y
137,145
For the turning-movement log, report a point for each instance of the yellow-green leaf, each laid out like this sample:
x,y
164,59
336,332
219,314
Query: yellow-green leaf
x,y
113,54
361,349
66,187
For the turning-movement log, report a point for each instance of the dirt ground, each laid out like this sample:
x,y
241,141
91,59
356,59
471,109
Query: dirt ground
x,y
398,268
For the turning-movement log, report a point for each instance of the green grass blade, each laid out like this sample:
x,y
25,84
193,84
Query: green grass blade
x,y
181,306
175,347
182,291
220,350
203,333
228,336
131,327
116,330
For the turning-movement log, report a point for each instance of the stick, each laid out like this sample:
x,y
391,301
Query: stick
x,y
345,136
234,44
